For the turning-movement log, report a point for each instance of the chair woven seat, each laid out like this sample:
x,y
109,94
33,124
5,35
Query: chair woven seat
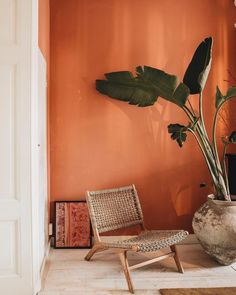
x,y
150,241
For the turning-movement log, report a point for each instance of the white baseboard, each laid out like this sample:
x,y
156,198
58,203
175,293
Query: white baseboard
x,y
37,286
47,250
44,266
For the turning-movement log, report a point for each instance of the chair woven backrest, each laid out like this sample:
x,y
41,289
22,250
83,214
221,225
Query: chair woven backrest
x,y
114,208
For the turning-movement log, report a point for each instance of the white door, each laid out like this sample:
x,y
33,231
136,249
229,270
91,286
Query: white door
x,y
16,261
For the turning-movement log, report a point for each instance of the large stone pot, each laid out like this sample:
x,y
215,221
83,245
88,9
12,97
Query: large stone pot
x,y
214,225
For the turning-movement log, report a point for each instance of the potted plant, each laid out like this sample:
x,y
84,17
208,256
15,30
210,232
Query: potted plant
x,y
215,222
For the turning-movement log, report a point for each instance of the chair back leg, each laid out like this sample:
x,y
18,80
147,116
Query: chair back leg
x,y
176,258
125,265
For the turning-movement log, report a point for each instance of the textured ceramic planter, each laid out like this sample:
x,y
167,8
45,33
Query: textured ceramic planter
x,y
214,225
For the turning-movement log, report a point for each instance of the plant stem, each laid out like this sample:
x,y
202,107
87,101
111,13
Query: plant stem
x,y
214,133
225,189
205,135
204,145
204,139
205,156
201,114
208,152
224,167
191,107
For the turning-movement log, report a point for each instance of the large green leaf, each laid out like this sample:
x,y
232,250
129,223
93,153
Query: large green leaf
x,y
123,86
165,84
178,133
144,89
180,95
197,72
220,98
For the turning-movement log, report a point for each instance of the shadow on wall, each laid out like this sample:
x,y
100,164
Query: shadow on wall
x,y
97,142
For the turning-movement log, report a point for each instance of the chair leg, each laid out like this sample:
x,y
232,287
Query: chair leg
x,y
125,265
94,249
176,258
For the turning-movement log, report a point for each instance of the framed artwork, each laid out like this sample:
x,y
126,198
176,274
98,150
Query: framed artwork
x,y
72,227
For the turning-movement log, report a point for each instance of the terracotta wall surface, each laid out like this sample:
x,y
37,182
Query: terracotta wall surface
x,y
97,142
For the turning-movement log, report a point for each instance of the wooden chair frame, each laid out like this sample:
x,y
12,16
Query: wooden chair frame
x,y
122,253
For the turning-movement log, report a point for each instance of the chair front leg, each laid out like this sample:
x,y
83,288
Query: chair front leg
x,y
125,265
95,248
176,258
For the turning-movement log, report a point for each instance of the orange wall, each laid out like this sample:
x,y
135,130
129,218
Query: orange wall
x,y
97,142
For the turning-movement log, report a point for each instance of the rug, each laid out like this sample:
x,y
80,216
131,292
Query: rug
x,y
199,291
72,225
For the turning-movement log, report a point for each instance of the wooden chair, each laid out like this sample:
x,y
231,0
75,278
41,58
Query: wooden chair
x,y
120,208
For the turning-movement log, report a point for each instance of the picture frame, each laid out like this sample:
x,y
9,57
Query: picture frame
x,y
72,226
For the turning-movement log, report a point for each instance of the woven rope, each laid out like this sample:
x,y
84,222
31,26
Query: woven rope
x,y
114,209
150,241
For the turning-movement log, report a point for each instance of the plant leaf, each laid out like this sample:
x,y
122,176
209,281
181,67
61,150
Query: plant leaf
x,y
144,89
180,95
178,133
232,137
123,86
197,72
164,83
220,98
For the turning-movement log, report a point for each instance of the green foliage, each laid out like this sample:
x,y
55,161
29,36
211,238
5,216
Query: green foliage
x,y
220,98
166,85
197,72
123,86
144,89
178,133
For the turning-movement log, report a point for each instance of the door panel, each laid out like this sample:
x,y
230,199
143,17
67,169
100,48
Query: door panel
x,y
8,248
7,130
15,147
7,21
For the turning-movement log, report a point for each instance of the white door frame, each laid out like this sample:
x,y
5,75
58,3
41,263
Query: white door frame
x,y
40,245
34,150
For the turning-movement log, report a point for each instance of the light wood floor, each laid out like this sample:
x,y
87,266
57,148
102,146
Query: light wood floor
x,y
68,274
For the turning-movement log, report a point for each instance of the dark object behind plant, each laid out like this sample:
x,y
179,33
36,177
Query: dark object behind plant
x,y
231,159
